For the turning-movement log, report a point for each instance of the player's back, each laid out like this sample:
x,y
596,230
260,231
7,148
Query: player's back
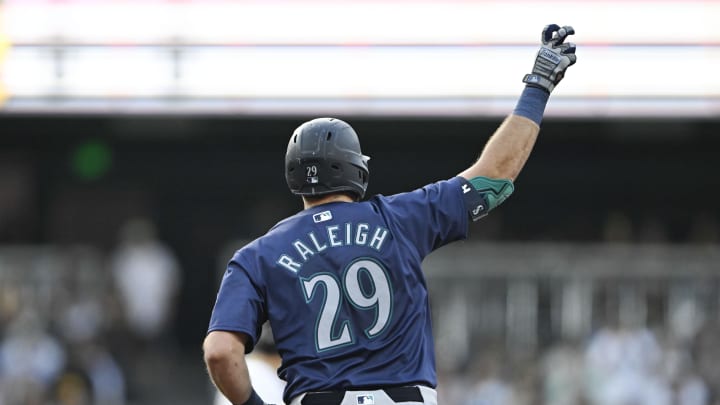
x,y
344,291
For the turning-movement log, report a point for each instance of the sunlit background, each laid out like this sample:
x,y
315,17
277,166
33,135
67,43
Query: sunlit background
x,y
141,142
355,57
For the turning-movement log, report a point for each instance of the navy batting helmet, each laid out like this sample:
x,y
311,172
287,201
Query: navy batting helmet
x,y
324,157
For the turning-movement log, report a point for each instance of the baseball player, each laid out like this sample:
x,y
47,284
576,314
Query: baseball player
x,y
341,282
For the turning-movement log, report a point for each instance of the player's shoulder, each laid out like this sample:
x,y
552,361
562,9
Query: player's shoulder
x,y
259,244
284,223
457,184
281,230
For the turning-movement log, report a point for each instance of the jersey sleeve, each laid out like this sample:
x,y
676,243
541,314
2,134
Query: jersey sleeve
x,y
239,306
434,215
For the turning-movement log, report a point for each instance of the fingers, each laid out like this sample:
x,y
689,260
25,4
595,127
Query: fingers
x,y
548,33
555,35
564,32
572,59
569,51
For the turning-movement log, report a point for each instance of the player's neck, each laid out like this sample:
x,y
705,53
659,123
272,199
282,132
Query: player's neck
x,y
330,198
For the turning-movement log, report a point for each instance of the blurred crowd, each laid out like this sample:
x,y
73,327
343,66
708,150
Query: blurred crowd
x,y
615,366
74,323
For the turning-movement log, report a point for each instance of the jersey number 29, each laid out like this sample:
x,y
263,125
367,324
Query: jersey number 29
x,y
378,299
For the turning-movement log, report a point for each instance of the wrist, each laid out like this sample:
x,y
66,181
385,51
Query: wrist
x,y
531,103
254,399
539,81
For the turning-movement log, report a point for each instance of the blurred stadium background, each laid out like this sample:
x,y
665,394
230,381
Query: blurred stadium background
x,y
142,141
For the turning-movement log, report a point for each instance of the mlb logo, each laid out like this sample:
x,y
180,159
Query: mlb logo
x,y
366,399
322,216
313,180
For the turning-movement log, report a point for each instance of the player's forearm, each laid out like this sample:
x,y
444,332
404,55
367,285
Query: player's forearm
x,y
224,357
508,149
231,381
505,154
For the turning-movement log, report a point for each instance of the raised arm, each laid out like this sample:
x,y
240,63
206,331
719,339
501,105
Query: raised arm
x,y
505,154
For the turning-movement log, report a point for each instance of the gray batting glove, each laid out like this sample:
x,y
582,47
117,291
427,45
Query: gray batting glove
x,y
553,58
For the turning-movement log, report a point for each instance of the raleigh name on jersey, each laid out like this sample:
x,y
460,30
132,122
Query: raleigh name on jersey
x,y
348,234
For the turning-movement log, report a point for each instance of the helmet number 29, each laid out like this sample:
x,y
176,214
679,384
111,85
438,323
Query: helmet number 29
x,y
379,299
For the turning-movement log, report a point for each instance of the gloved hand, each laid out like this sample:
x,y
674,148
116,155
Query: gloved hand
x,y
553,58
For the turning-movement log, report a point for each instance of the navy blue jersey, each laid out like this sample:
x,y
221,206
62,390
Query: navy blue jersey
x,y
342,286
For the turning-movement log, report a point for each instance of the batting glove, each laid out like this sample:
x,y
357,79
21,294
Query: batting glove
x,y
553,58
